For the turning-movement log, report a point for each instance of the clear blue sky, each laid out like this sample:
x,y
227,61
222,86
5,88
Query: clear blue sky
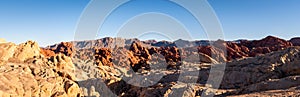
x,y
53,21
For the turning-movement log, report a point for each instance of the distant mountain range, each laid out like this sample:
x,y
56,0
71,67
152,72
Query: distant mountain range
x,y
226,50
109,42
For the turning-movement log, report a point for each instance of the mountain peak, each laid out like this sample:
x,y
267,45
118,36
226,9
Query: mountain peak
x,y
270,36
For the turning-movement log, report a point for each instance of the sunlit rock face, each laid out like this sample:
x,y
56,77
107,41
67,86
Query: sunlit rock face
x,y
25,71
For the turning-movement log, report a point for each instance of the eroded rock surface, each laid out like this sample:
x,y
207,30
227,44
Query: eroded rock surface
x,y
24,71
103,57
250,69
65,48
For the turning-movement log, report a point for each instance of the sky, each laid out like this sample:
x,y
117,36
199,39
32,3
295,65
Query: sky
x,y
52,21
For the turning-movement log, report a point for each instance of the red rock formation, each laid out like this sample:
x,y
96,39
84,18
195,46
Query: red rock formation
x,y
139,56
266,45
47,52
140,51
233,50
259,51
271,42
103,57
65,48
213,52
246,48
153,51
172,56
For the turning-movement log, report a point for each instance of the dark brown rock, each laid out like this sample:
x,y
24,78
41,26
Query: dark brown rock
x,y
213,52
103,57
273,43
139,56
66,48
259,51
295,41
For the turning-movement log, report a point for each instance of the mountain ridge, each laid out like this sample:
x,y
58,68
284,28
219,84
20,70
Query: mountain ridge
x,y
79,44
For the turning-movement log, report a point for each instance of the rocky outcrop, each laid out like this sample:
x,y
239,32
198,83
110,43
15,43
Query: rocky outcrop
x,y
27,50
213,52
244,48
273,43
261,73
139,57
19,53
26,72
65,48
103,57
223,51
295,41
7,51
47,52
236,51
266,45
259,51
172,56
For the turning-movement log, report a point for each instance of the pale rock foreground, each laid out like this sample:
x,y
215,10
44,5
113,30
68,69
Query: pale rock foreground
x,y
24,72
